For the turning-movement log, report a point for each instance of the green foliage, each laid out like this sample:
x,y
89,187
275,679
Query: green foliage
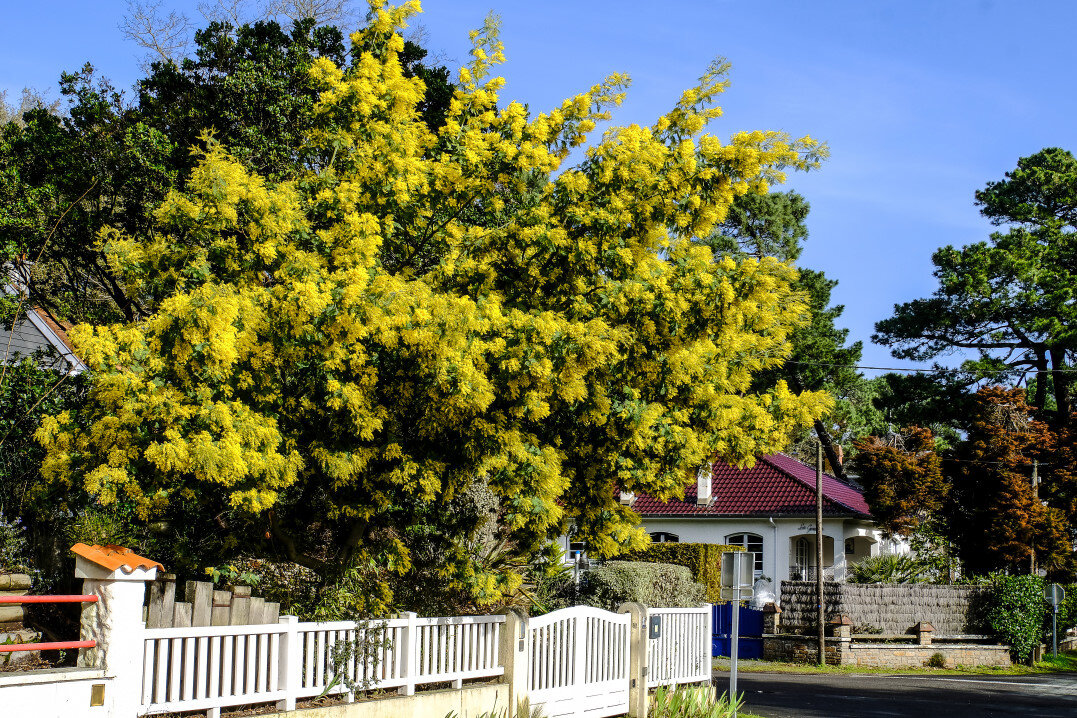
x,y
96,525
1011,298
763,225
331,360
128,154
1014,612
937,660
553,583
1067,611
774,225
28,392
887,568
691,702
656,585
704,560
13,553
232,576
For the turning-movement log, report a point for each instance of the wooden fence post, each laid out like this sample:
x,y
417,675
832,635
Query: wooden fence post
x,y
637,658
290,665
513,652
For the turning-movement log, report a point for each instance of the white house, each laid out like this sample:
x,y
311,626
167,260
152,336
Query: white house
x,y
36,335
770,509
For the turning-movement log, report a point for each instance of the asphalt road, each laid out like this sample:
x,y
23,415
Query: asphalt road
x,y
777,695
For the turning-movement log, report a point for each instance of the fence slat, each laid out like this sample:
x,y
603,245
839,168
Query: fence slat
x,y
207,668
148,664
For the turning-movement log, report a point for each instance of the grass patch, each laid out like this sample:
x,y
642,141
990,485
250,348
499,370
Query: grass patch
x,y
1065,662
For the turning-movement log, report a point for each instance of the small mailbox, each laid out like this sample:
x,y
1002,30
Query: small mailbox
x,y
654,627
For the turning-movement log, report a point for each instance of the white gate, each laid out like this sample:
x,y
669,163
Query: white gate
x,y
577,662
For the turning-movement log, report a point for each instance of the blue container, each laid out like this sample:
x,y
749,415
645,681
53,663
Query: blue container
x,y
750,644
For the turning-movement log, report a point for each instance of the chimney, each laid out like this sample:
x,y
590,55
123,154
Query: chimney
x,y
703,484
627,498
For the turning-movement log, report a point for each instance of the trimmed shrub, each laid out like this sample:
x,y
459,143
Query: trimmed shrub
x,y
652,584
704,560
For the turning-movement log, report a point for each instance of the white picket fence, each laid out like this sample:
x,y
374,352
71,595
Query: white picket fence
x,y
215,667
682,653
576,659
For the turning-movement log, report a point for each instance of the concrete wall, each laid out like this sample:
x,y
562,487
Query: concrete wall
x,y
56,693
468,702
891,608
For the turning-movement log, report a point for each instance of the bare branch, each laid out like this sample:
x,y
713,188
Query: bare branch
x,y
233,12
165,36
324,12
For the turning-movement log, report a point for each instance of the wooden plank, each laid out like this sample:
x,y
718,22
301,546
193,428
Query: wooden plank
x,y
257,616
181,615
162,599
200,595
222,608
240,614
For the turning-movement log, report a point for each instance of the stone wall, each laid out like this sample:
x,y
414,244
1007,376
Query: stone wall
x,y
887,608
805,649
842,652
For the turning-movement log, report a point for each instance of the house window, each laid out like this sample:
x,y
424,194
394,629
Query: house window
x,y
803,553
665,537
752,543
850,546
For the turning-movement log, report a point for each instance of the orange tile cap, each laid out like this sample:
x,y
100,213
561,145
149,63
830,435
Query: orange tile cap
x,y
114,557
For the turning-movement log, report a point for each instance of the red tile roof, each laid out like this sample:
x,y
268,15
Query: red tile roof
x,y
776,485
114,557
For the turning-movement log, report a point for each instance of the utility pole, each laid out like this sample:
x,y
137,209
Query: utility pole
x,y
1036,498
819,550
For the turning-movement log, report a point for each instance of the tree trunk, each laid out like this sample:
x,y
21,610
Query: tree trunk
x,y
821,432
1061,386
1040,399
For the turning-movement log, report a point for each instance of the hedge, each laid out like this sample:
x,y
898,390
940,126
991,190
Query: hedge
x,y
1015,612
704,560
657,585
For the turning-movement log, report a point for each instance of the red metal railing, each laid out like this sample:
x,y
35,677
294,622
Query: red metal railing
x,y
52,645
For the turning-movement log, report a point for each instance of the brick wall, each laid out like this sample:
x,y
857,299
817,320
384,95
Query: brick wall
x,y
889,608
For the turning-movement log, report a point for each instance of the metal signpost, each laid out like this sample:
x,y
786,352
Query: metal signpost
x,y
738,584
1055,595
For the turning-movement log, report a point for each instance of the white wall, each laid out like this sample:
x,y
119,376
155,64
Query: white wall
x,y
58,693
778,538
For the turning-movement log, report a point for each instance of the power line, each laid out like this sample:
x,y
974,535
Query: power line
x,y
933,370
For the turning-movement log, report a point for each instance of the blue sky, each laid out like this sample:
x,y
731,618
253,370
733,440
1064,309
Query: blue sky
x,y
921,102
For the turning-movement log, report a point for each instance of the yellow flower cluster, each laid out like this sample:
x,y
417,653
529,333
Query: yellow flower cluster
x,y
432,306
